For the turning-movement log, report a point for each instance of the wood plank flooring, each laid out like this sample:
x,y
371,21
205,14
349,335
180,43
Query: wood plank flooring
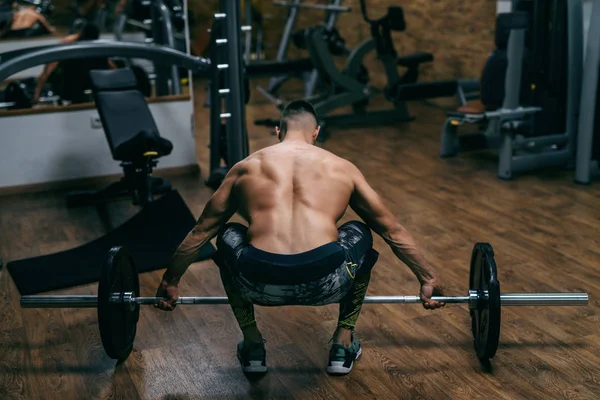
x,y
543,227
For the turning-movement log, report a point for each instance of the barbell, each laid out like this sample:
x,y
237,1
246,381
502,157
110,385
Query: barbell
x,y
324,7
118,303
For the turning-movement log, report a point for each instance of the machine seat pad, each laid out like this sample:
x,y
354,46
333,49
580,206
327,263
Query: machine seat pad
x,y
145,141
472,107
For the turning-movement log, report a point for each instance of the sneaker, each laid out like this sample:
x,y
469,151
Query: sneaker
x,y
341,359
253,358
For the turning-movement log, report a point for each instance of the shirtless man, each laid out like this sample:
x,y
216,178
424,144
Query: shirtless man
x,y
292,195
26,17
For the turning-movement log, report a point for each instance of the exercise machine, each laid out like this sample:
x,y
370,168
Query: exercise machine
x,y
588,138
311,78
535,73
405,87
96,11
19,95
164,26
349,87
346,88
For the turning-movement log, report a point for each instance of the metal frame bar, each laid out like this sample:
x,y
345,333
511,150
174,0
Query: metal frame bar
x,y
167,38
284,44
216,93
237,138
102,48
512,90
589,97
313,77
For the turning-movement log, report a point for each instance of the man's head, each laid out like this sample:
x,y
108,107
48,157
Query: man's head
x,y
89,31
300,118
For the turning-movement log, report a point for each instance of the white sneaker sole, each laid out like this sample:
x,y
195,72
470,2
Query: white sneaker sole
x,y
337,367
255,367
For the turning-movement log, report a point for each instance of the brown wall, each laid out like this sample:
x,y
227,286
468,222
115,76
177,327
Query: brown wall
x,y
458,33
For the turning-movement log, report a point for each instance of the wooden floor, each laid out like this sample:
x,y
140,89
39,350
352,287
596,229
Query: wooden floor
x,y
543,227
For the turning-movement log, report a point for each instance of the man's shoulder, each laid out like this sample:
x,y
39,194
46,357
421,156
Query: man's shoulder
x,y
338,161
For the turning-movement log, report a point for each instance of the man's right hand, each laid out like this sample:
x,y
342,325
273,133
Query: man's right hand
x,y
170,293
428,290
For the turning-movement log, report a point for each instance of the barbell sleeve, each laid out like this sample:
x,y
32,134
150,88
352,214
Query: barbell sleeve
x,y
507,299
61,301
544,299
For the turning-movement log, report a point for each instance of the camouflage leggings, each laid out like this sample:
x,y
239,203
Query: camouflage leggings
x,y
337,272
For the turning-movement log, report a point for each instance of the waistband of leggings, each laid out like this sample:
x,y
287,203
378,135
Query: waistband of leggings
x,y
308,257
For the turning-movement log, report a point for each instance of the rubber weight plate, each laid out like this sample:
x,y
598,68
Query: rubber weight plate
x,y
485,318
117,321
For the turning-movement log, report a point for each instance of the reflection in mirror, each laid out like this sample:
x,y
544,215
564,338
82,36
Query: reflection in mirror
x,y
34,23
25,19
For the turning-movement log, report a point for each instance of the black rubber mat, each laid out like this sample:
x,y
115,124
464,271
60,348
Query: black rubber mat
x,y
151,236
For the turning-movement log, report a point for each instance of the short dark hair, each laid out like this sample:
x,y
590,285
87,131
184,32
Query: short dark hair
x,y
296,107
89,31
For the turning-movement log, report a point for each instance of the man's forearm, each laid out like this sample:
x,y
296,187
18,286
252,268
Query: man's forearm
x,y
185,255
407,251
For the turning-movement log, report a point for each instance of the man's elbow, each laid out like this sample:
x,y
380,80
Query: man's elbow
x,y
395,233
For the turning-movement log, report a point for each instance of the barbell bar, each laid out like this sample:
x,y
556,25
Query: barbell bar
x,y
506,299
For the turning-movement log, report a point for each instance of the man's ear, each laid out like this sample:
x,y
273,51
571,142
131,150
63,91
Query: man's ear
x,y
316,134
278,132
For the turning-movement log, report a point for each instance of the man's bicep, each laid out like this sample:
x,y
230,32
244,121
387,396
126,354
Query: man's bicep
x,y
221,206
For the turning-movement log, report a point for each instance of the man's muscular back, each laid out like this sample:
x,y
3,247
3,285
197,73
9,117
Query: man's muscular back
x,y
292,194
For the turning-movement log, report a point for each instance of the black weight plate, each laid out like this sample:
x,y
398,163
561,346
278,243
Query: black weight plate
x,y
485,318
118,322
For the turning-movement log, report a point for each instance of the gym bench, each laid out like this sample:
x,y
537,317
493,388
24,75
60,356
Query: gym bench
x,y
132,136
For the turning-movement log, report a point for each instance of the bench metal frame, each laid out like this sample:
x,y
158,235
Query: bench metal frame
x,y
585,167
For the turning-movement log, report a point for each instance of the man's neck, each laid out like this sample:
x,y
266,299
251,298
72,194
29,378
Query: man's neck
x,y
296,137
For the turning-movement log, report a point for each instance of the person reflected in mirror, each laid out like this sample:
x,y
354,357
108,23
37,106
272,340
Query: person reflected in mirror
x,y
70,78
24,21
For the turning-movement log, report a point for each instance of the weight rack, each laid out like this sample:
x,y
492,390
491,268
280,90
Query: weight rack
x,y
227,92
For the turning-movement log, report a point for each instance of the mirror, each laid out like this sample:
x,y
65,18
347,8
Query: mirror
x,y
33,23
